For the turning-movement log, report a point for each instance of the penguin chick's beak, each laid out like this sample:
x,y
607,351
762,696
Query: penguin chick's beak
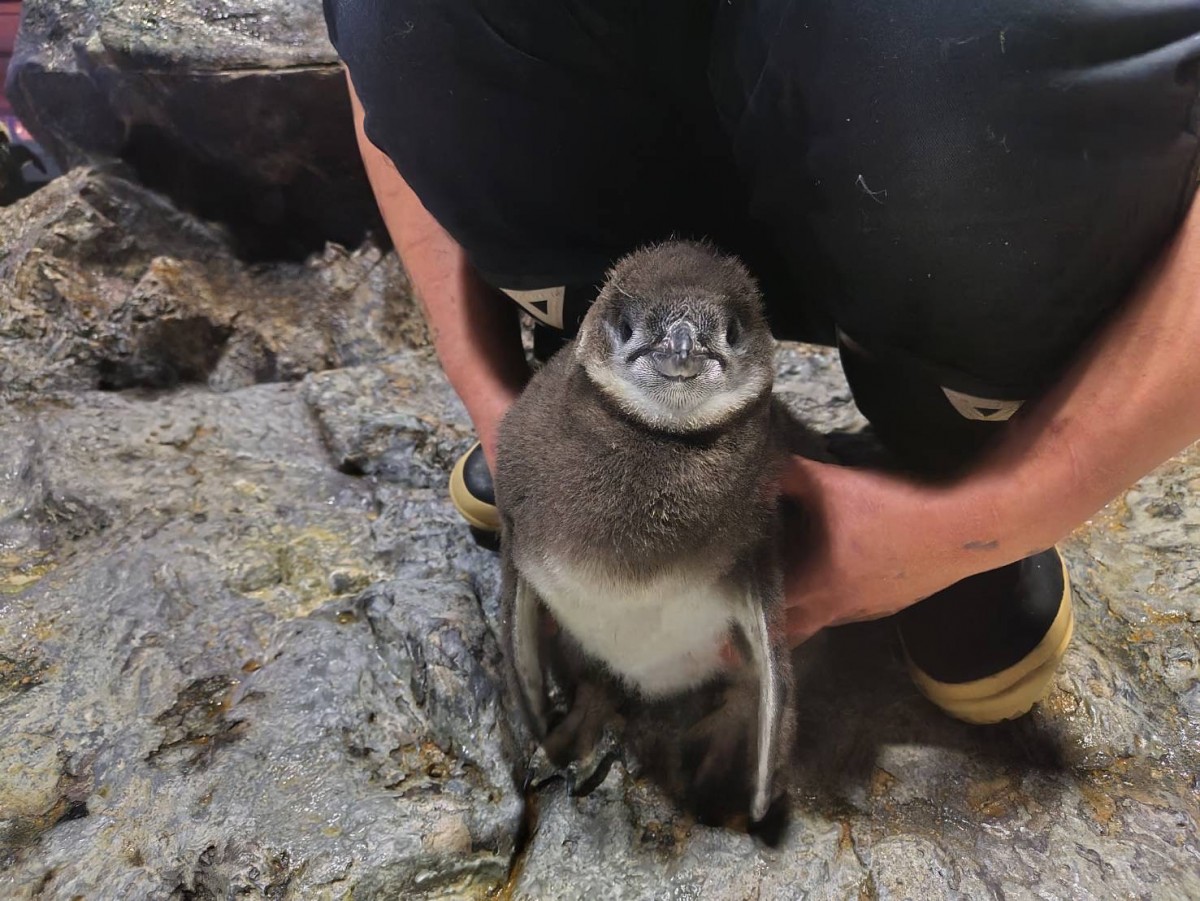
x,y
676,356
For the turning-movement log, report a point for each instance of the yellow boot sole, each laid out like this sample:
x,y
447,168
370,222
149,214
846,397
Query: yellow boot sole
x,y
478,513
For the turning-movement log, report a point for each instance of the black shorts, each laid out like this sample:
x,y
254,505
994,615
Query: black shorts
x,y
965,188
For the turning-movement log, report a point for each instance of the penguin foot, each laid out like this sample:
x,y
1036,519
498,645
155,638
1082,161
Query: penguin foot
x,y
580,730
585,774
582,747
718,759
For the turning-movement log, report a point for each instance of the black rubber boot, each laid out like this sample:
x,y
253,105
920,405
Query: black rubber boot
x,y
987,648
473,494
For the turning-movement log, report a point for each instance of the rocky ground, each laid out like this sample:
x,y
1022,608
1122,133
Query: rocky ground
x,y
246,646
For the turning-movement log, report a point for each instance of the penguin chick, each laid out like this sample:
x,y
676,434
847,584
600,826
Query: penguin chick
x,y
637,486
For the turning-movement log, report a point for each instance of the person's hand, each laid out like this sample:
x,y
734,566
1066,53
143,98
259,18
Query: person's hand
x,y
871,544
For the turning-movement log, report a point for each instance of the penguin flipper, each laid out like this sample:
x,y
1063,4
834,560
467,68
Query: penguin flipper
x,y
520,621
772,660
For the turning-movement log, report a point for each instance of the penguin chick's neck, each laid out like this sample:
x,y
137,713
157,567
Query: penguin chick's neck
x,y
679,407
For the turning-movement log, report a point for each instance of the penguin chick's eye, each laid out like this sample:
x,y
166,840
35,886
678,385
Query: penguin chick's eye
x,y
625,328
733,331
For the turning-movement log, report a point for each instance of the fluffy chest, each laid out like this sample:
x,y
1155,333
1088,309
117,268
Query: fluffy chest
x,y
661,636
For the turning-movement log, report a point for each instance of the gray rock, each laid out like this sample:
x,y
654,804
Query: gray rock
x,y
399,421
105,284
229,693
31,775
246,644
237,109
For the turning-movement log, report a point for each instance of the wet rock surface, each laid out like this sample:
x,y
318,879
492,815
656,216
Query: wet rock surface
x,y
246,645
235,108
230,689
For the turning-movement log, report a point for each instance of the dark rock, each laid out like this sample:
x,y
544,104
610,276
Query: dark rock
x,y
17,162
236,109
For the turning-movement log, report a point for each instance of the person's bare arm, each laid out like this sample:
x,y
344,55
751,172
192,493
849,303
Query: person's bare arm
x,y
475,329
1130,402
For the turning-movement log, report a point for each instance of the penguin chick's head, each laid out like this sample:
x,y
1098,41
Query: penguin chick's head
x,y
677,337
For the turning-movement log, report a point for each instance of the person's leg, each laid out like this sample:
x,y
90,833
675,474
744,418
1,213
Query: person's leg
x,y
987,648
968,188
974,184
547,139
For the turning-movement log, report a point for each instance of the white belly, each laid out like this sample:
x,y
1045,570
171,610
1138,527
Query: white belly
x,y
660,637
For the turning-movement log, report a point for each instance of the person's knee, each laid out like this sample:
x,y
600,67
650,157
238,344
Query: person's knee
x,y
977,184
